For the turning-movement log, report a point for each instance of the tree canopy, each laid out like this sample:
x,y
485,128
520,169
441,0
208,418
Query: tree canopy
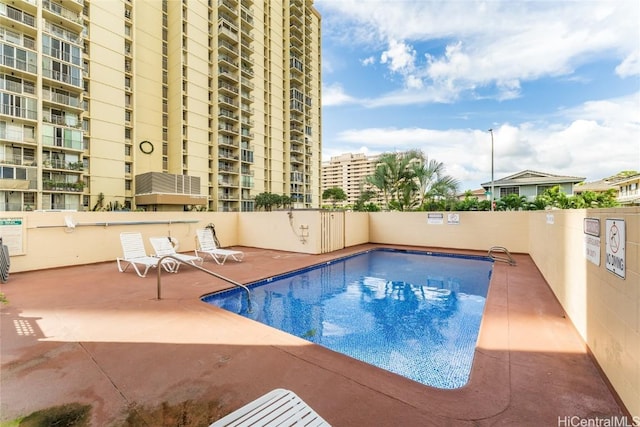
x,y
409,181
268,201
335,195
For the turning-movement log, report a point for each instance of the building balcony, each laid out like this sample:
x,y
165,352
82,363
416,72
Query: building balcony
x,y
22,67
228,48
21,17
54,11
53,185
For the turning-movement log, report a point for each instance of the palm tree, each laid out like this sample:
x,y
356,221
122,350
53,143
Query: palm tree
x,y
406,178
382,176
434,184
512,202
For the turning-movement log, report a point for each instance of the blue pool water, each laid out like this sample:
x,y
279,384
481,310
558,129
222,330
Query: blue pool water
x,y
415,314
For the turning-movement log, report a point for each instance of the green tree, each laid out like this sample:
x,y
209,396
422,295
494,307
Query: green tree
x,y
434,183
99,203
363,204
590,199
382,177
469,203
512,202
267,201
285,201
554,198
335,195
408,179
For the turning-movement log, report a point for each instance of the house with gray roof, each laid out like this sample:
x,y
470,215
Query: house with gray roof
x,y
531,183
626,186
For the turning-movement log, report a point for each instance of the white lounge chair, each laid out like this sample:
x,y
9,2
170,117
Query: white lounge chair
x,y
135,255
163,246
206,245
279,407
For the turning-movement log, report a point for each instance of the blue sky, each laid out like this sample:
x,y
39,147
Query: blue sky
x,y
557,81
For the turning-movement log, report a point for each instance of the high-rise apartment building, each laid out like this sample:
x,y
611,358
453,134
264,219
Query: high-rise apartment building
x,y
158,104
348,172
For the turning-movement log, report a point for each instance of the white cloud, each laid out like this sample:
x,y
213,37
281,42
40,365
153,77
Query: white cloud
x,y
594,140
630,66
368,61
399,56
335,95
497,44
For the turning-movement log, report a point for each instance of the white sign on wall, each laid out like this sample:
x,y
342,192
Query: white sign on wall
x,y
453,218
591,227
592,249
12,235
615,247
435,218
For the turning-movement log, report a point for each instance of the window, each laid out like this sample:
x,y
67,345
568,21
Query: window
x,y
10,36
542,188
505,191
6,172
29,198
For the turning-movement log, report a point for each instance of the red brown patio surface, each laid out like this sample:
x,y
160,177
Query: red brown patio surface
x,y
92,335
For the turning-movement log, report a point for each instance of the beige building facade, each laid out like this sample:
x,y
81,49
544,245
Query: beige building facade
x,y
159,105
348,172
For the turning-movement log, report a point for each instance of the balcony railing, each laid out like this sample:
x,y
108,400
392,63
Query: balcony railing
x,y
10,61
11,110
50,185
20,16
62,11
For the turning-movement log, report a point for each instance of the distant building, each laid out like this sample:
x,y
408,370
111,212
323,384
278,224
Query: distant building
x,y
480,194
627,188
530,184
349,171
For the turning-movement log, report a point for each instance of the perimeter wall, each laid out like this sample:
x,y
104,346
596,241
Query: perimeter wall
x,y
604,307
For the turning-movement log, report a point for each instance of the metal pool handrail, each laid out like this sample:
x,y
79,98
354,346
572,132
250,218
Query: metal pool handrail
x,y
507,258
226,279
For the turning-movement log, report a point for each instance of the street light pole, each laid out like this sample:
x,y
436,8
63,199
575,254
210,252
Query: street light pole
x,y
492,196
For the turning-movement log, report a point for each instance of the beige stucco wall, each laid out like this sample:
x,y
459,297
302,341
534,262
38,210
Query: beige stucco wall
x,y
47,242
281,230
356,225
475,230
604,307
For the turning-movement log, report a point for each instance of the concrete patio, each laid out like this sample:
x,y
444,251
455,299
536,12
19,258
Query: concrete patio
x,y
92,335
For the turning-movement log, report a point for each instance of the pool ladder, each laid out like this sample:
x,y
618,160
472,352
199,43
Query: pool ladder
x,y
178,260
504,257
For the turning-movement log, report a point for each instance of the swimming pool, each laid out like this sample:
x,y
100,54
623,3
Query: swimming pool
x,y
413,313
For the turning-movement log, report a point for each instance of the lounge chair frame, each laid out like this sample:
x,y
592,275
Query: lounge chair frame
x,y
135,255
207,246
279,407
163,246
